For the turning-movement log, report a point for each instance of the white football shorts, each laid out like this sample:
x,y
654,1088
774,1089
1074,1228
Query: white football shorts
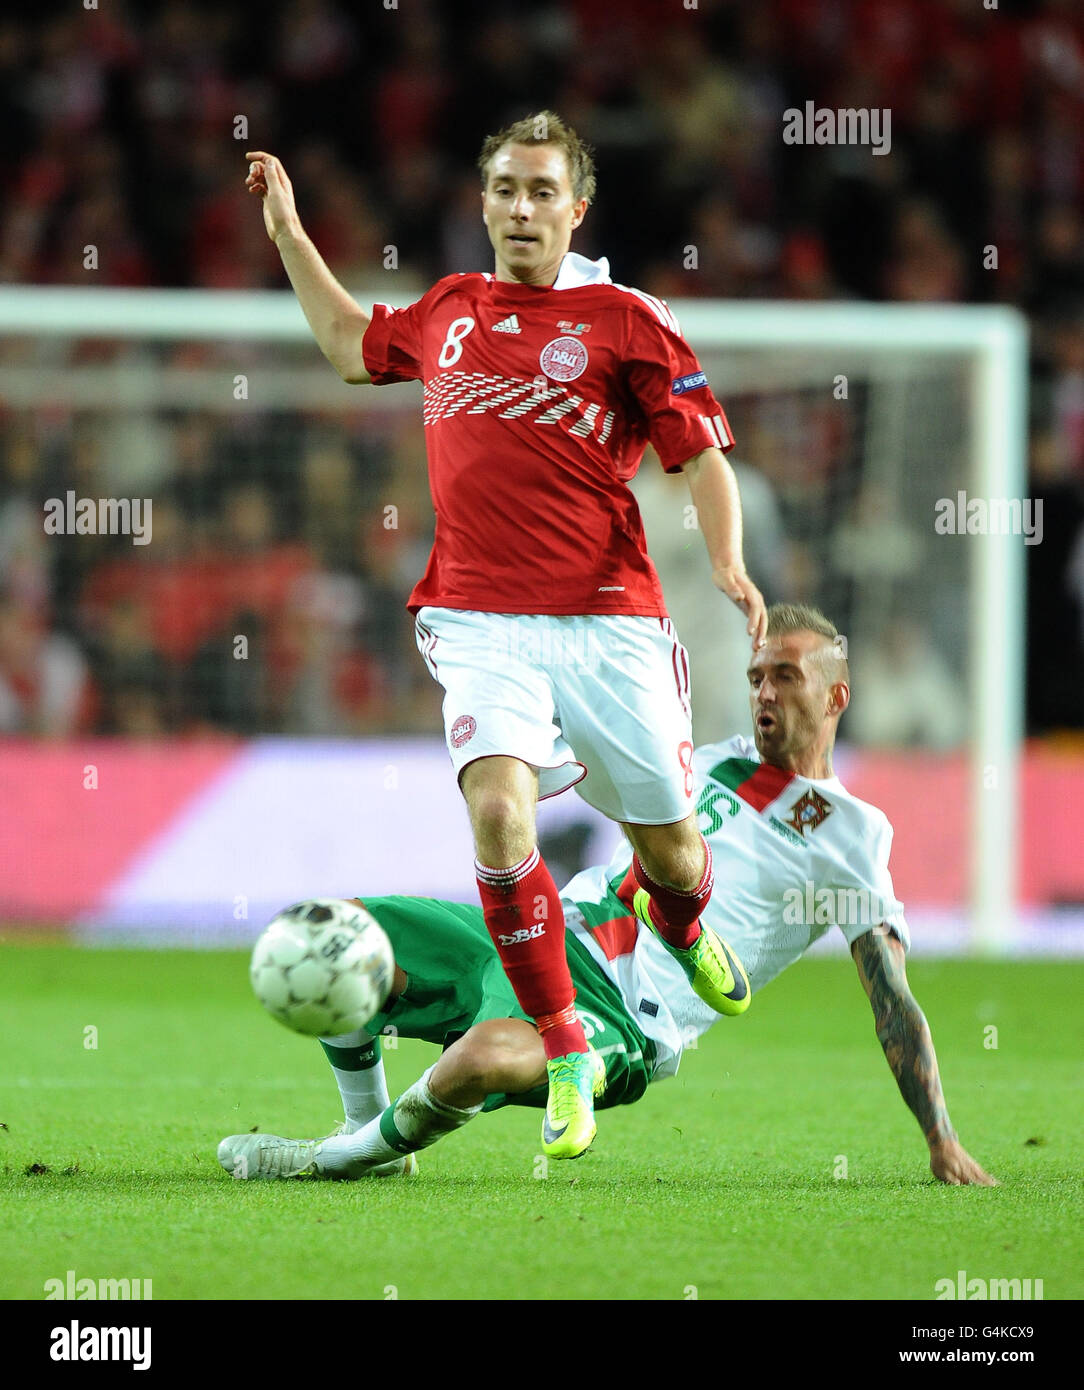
x,y
599,702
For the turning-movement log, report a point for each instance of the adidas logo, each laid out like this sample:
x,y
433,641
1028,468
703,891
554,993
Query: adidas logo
x,y
508,325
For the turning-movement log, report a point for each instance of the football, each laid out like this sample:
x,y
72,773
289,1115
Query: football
x,y
323,967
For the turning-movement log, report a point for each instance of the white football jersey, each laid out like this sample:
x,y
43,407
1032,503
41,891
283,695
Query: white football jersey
x,y
793,857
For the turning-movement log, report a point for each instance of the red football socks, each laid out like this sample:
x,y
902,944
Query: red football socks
x,y
676,914
525,919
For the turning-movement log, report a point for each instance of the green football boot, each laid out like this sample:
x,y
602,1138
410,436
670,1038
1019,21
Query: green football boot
x,y
576,1080
713,970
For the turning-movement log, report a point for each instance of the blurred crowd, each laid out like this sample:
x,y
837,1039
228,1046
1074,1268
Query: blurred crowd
x,y
124,128
270,597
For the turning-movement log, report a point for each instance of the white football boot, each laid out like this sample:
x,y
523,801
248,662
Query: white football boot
x,y
248,1156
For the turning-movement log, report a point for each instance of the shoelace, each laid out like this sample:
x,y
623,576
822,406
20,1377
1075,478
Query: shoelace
x,y
565,1100
702,951
274,1160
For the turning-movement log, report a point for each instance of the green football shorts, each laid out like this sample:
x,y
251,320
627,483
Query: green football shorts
x,y
455,980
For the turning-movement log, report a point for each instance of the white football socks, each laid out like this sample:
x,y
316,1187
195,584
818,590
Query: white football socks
x,y
416,1120
359,1073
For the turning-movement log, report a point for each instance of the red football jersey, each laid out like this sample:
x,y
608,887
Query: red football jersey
x,y
538,405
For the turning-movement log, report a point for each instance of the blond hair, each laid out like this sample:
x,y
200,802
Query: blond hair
x,y
546,128
803,617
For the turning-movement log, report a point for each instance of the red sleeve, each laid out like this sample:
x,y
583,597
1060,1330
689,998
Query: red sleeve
x,y
670,387
392,344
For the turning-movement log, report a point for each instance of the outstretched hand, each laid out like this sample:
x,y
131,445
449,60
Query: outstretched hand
x,y
267,177
951,1163
742,592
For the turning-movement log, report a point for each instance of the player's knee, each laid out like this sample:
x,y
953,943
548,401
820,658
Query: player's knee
x,y
676,859
499,818
492,1055
481,1060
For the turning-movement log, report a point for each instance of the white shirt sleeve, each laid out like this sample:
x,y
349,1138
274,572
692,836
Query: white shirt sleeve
x,y
863,895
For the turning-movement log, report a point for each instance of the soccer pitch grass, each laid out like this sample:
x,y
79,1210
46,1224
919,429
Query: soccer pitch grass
x,y
720,1183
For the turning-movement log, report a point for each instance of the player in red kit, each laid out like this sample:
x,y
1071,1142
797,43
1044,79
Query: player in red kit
x,y
540,612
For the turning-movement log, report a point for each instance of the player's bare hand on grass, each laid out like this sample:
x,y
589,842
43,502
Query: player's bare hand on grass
x,y
267,177
952,1164
741,590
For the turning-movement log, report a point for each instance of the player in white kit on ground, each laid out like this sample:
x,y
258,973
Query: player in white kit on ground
x,y
798,856
540,612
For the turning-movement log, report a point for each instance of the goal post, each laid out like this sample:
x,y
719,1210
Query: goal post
x,y
928,374
996,338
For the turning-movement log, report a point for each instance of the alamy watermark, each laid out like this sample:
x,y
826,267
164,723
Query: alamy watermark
x,y
987,1289
578,646
810,906
813,125
102,516
990,516
75,1343
72,1287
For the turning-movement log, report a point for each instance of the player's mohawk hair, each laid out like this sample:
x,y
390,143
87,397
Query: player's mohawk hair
x,y
803,617
546,128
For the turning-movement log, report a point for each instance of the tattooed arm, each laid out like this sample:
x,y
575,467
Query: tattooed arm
x,y
905,1036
